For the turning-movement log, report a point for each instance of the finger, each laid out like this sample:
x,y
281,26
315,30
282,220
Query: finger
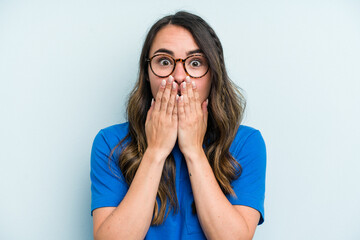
x,y
204,107
175,110
196,97
172,100
185,99
190,93
150,110
159,95
166,95
180,109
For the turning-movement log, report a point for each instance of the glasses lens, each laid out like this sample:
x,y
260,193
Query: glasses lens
x,y
196,65
162,65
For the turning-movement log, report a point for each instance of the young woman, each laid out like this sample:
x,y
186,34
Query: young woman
x,y
182,167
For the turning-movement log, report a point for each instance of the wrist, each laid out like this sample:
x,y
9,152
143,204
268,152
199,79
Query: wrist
x,y
156,155
194,155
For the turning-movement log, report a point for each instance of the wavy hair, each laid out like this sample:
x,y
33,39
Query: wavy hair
x,y
225,108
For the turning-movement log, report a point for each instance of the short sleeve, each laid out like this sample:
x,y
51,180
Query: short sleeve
x,y
250,152
108,187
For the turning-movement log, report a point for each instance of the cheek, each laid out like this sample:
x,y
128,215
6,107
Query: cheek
x,y
154,88
204,90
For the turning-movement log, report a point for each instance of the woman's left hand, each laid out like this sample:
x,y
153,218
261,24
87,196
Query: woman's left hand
x,y
193,116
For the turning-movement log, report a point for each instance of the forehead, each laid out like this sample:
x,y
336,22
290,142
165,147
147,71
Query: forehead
x,y
174,38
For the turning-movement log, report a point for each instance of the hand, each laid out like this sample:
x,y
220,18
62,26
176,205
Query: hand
x,y
193,117
162,120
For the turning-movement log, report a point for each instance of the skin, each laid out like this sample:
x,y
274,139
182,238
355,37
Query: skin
x,y
180,42
169,119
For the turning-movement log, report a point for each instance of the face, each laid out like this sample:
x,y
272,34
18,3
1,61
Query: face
x,y
177,42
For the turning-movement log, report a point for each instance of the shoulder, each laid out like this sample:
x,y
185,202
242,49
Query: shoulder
x,y
117,130
104,144
248,149
247,140
113,134
108,185
109,137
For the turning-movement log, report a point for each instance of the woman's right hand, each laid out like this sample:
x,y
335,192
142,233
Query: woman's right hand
x,y
162,121
131,219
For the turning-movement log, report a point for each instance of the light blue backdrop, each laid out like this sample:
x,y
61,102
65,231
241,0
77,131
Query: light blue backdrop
x,y
66,68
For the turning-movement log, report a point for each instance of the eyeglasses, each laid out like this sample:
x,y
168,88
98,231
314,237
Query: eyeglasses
x,y
163,65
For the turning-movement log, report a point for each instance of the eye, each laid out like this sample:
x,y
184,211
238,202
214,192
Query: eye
x,y
195,63
164,61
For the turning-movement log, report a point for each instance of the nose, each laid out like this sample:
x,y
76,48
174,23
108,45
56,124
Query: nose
x,y
179,73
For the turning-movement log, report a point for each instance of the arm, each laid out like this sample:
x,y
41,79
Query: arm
x,y
131,219
219,219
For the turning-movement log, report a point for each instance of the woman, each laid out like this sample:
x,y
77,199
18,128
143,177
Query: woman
x,y
182,167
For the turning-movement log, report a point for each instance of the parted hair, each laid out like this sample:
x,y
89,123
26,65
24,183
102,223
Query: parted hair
x,y
225,108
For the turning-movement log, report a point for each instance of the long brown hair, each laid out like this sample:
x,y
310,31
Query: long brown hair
x,y
226,106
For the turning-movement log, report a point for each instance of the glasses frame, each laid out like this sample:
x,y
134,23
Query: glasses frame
x,y
175,61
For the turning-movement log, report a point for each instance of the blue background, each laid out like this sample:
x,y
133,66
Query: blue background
x,y
66,68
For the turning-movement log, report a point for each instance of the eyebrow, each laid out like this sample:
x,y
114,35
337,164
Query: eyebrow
x,y
194,51
164,50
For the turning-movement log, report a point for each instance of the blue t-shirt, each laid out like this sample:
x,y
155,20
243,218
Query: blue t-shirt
x,y
108,186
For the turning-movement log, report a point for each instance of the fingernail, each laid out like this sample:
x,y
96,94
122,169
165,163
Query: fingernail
x,y
207,101
174,85
163,83
171,77
169,80
184,85
177,97
193,84
187,79
152,101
